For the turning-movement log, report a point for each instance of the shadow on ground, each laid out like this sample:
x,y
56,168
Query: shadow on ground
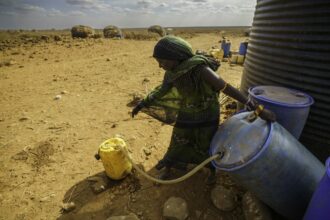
x,y
135,194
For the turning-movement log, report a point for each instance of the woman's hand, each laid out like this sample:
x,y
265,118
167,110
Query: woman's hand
x,y
259,110
267,115
137,108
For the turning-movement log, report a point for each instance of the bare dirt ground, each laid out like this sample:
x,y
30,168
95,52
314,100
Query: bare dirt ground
x,y
47,145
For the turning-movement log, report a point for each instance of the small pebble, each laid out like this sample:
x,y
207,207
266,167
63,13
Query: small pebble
x,y
175,208
23,119
44,199
68,206
58,97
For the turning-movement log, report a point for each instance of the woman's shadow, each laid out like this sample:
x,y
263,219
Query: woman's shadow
x,y
98,197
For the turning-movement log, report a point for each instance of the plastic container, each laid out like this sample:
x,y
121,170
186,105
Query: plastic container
x,y
319,206
290,106
114,161
267,160
225,46
216,53
243,48
240,59
233,58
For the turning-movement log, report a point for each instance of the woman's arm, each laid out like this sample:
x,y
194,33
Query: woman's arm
x,y
219,84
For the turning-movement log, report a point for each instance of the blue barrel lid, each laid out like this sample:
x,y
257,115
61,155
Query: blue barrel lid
x,y
240,140
281,96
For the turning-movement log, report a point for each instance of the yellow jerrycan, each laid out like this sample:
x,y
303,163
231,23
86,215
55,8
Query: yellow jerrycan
x,y
115,163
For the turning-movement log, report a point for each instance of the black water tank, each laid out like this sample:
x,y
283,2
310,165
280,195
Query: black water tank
x,y
290,46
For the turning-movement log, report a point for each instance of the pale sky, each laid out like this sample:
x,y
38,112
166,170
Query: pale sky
x,y
59,14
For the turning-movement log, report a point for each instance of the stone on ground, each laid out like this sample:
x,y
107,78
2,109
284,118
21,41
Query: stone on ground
x,y
254,209
175,208
224,199
124,217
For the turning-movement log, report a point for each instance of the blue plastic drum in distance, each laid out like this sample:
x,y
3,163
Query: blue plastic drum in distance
x,y
290,106
319,206
225,46
243,48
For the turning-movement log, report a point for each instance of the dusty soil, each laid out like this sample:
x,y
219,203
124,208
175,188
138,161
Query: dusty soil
x,y
47,144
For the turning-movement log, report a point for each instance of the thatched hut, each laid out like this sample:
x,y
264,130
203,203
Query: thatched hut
x,y
157,29
82,31
111,31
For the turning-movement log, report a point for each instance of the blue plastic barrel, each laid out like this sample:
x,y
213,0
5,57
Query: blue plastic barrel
x,y
267,160
243,48
319,206
290,106
225,46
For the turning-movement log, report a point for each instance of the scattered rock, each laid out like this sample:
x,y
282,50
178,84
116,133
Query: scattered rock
x,y
98,187
58,97
254,209
99,183
223,198
124,217
24,119
23,155
175,208
40,154
147,152
64,92
45,199
9,63
67,207
145,80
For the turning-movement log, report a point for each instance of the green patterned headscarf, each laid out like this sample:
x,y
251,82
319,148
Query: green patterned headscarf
x,y
175,48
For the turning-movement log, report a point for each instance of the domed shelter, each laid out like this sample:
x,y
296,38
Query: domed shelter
x,y
82,31
157,29
112,31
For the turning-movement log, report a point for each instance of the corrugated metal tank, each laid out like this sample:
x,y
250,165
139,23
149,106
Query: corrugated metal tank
x,y
290,46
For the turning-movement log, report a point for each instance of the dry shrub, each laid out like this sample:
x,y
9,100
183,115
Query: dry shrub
x,y
96,36
141,35
57,38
